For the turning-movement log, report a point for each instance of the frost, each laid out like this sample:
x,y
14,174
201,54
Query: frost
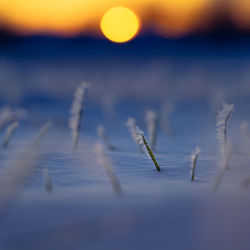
x,y
194,156
77,111
143,141
103,160
131,124
222,119
10,130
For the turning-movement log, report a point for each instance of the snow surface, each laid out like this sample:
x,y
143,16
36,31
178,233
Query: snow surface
x,y
158,210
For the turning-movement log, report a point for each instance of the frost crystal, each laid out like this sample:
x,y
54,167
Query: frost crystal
x,y
142,141
139,135
131,124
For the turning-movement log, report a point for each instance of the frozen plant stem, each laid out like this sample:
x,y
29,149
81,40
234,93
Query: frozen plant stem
x,y
103,135
10,130
43,130
223,118
103,160
77,112
7,116
131,124
152,124
142,140
47,180
151,154
194,158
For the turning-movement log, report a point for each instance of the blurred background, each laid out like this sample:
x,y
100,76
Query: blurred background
x,y
183,51
167,18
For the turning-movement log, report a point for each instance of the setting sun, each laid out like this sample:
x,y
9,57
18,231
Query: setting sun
x,y
119,24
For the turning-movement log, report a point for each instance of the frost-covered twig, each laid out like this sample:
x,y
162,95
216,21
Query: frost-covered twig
x,y
194,156
43,130
152,124
47,180
18,171
103,135
104,161
132,128
10,130
7,115
223,118
77,112
142,140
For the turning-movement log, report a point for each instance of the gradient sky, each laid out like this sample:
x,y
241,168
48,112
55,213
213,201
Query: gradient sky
x,y
170,18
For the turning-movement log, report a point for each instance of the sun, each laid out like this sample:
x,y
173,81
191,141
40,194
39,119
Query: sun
x,y
119,24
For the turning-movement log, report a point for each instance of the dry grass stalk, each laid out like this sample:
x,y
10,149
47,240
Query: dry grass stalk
x,y
131,124
7,116
142,140
223,118
194,157
47,180
43,130
77,112
10,130
105,162
103,135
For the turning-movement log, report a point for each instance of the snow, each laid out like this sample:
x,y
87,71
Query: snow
x,y
158,210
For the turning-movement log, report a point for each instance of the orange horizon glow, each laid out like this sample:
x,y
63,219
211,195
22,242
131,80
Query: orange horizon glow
x,y
241,13
169,18
48,16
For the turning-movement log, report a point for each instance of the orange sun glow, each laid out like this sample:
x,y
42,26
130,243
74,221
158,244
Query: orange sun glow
x,y
119,24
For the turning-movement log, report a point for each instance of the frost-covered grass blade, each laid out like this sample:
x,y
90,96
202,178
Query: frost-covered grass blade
x,y
222,119
43,130
10,130
142,140
103,135
77,112
194,157
47,180
106,163
131,124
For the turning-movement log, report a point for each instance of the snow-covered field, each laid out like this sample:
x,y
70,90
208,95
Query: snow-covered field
x,y
157,210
